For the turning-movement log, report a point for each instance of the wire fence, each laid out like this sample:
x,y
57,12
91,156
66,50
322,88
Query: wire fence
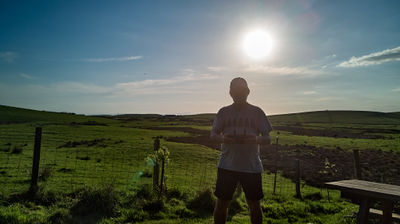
x,y
69,162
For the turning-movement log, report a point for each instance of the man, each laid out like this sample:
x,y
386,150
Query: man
x,y
240,128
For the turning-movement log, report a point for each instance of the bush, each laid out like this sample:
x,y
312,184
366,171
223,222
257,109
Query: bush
x,y
101,200
17,149
313,196
134,215
145,192
153,206
60,216
204,201
175,193
45,174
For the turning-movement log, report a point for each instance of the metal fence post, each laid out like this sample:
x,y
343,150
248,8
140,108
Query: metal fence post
x,y
36,160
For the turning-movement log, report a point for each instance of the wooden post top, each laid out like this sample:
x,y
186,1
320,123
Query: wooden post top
x,y
367,189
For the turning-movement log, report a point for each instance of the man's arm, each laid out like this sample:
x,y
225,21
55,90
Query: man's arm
x,y
216,131
217,138
263,139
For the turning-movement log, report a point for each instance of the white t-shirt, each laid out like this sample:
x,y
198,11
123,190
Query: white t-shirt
x,y
249,120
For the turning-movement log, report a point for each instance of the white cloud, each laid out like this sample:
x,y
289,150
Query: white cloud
x,y
216,68
396,90
373,59
26,76
130,58
284,70
159,86
309,92
77,87
260,69
8,56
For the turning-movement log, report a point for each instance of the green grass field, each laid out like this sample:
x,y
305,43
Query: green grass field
x,y
94,169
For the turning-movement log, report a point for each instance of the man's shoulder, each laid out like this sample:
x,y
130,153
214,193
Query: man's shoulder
x,y
256,108
224,109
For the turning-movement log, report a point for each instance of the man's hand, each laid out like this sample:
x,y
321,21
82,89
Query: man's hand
x,y
240,139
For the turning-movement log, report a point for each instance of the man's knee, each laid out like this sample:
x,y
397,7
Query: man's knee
x,y
221,204
253,204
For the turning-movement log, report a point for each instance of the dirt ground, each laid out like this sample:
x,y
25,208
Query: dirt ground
x,y
318,165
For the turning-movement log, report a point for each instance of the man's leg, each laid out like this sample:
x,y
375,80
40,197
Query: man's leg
x,y
255,211
220,211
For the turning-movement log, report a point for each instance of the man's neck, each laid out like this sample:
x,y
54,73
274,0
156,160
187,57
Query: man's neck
x,y
240,105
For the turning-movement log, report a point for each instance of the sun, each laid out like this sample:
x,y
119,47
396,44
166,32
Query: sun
x,y
257,44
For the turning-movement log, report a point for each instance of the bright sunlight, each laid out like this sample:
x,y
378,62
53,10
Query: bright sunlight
x,y
257,44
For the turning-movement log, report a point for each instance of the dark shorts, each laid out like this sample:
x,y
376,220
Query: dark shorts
x,y
227,181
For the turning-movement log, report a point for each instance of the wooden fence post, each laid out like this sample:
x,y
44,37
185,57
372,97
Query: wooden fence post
x,y
276,165
162,177
357,168
298,193
156,168
36,160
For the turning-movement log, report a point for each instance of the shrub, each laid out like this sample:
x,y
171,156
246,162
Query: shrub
x,y
234,207
175,193
17,149
153,206
145,192
204,201
313,196
45,174
59,216
134,215
101,200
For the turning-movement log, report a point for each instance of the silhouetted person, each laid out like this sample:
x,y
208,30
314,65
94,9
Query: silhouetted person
x,y
240,128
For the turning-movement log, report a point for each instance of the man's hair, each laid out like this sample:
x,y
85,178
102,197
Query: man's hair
x,y
238,82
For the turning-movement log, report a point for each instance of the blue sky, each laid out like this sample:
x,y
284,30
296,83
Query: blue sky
x,y
178,57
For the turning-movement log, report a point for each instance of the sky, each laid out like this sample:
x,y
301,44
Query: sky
x,y
178,57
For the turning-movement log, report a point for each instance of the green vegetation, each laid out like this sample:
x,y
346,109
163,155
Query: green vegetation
x,y
93,169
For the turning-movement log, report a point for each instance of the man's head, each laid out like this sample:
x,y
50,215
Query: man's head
x,y
239,90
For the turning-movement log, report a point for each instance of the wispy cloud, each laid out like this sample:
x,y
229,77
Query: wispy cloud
x,y
396,90
79,88
373,59
216,68
260,69
8,56
309,92
284,70
26,76
130,58
157,86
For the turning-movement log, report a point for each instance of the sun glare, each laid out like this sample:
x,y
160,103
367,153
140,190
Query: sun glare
x,y
257,44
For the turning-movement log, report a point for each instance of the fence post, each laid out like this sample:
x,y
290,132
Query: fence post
x,y
162,177
276,165
36,160
156,169
298,193
357,168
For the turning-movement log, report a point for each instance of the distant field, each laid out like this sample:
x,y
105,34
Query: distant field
x,y
80,151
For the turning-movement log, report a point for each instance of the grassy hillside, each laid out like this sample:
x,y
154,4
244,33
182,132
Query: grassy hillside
x,y
353,117
10,115
20,115
81,153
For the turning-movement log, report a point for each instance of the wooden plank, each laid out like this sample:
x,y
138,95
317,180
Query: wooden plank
x,y
387,212
363,212
367,189
380,213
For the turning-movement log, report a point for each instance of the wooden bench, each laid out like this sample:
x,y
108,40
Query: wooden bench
x,y
380,213
364,192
